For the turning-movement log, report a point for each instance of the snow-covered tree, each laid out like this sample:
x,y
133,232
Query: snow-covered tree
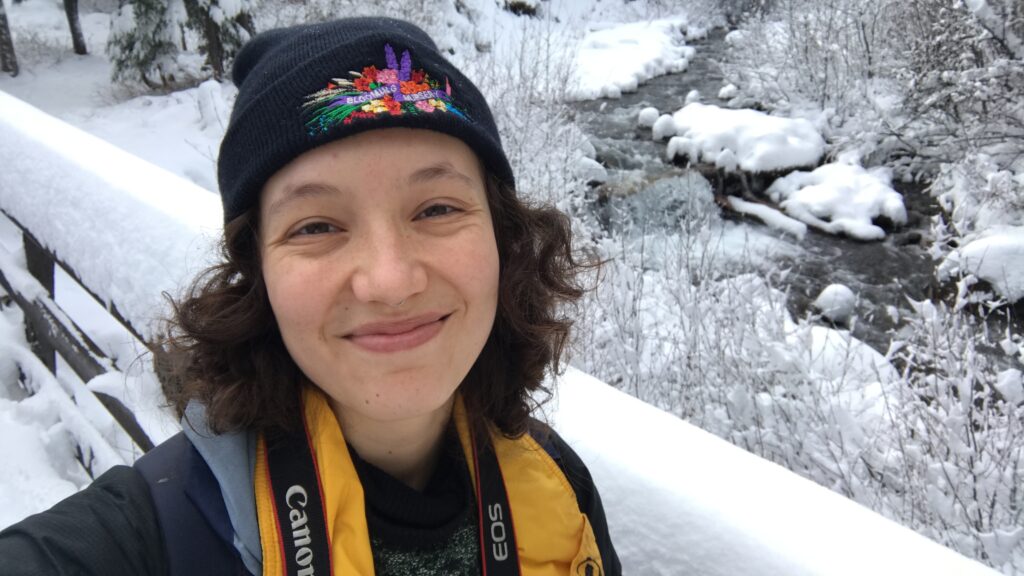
x,y
8,60
223,26
159,42
145,42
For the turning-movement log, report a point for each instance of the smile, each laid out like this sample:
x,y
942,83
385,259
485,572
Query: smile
x,y
384,337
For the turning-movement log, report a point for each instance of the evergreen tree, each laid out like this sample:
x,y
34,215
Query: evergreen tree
x,y
146,43
154,41
224,26
8,60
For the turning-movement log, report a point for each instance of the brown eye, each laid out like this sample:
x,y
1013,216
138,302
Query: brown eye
x,y
437,210
316,228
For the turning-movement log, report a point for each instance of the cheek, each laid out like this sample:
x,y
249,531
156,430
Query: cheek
x,y
483,272
293,298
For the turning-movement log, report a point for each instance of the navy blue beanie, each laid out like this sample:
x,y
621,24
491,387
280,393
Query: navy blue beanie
x,y
305,86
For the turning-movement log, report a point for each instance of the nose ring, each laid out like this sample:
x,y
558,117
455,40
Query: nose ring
x,y
399,305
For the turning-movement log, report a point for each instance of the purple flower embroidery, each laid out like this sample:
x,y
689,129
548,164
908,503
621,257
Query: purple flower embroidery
x,y
389,57
405,71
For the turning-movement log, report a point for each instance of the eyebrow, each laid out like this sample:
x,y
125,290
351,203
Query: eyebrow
x,y
439,171
304,191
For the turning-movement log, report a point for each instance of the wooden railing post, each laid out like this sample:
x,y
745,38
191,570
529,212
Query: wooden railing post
x,y
40,265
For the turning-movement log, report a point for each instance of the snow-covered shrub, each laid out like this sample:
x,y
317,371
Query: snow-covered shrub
x,y
963,81
954,468
823,53
524,77
977,194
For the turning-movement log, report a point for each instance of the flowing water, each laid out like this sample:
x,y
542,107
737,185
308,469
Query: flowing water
x,y
882,274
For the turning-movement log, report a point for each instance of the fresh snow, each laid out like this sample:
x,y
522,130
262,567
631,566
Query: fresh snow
x,y
590,170
647,117
840,198
101,196
769,216
995,255
756,141
663,127
836,302
678,500
618,58
682,501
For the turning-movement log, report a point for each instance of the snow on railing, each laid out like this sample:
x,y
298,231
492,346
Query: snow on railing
x,y
678,500
129,230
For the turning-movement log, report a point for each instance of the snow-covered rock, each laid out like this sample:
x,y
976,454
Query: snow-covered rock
x,y
840,198
692,96
586,147
759,142
616,59
995,255
837,303
590,170
728,92
663,127
647,117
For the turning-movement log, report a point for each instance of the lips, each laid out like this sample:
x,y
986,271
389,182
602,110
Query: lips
x,y
396,336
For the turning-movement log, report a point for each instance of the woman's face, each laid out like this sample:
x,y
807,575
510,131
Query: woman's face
x,y
381,265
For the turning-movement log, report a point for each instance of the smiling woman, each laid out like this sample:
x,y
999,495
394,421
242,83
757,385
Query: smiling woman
x,y
356,376
384,283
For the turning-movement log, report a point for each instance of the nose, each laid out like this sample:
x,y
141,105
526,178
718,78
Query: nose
x,y
388,267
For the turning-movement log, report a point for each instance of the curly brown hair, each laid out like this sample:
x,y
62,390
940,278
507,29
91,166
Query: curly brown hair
x,y
224,348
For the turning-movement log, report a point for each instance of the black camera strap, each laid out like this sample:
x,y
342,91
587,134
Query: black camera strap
x,y
498,551
298,504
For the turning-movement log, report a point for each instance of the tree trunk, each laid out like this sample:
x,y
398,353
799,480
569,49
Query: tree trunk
x,y
71,9
214,47
8,60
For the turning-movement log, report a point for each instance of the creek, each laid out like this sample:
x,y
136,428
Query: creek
x,y
882,274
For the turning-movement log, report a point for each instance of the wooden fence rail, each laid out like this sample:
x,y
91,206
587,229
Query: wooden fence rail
x,y
51,331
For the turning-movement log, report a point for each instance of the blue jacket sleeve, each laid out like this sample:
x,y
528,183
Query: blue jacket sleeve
x,y
108,529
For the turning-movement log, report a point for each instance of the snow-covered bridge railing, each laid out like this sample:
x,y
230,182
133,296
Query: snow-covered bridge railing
x,y
679,501
123,229
51,331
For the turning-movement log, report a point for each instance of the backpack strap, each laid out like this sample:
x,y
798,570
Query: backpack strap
x,y
587,497
194,522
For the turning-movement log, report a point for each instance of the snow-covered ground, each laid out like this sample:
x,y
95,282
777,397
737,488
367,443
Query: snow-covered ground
x,y
679,501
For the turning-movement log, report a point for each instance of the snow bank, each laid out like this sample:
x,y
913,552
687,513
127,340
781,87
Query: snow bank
x,y
748,139
129,229
840,198
617,59
996,256
681,501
